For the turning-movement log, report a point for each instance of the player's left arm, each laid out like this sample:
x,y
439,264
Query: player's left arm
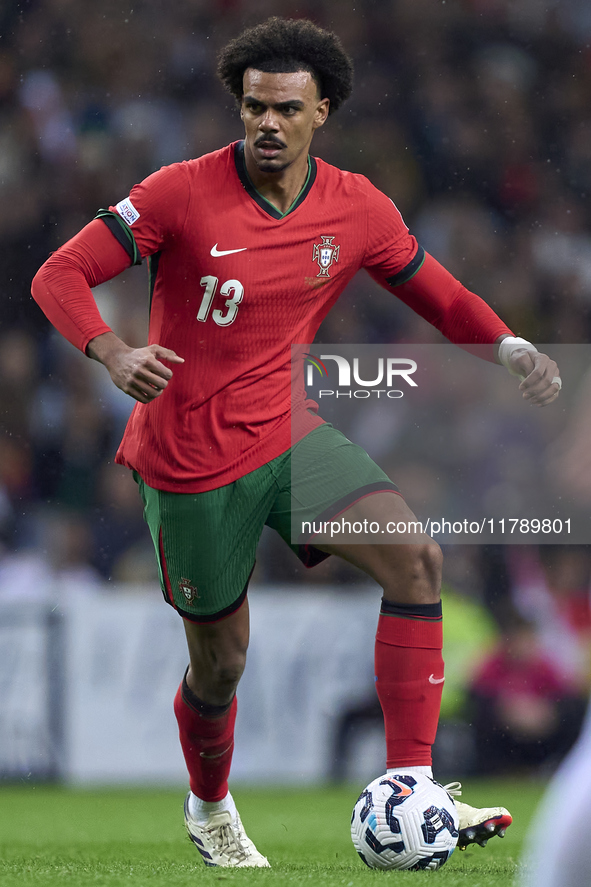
x,y
397,262
466,319
539,374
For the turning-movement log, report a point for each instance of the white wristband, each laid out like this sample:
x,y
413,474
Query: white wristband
x,y
511,344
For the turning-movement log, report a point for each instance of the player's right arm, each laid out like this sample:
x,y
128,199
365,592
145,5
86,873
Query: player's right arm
x,y
137,371
62,286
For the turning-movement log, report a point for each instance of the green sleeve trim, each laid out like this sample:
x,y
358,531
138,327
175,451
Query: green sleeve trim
x,y
409,272
122,233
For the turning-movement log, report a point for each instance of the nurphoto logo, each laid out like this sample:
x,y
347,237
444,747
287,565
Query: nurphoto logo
x,y
389,371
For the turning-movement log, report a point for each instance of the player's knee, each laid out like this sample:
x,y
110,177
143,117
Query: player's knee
x,y
227,674
216,674
423,564
415,573
226,670
431,563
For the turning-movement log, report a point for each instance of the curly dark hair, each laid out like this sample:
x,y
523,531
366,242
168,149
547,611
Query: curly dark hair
x,y
282,45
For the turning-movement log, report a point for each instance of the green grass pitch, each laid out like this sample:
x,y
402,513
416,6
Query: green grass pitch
x,y
51,836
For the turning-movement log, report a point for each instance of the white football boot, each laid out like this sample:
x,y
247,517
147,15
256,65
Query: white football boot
x,y
478,824
222,841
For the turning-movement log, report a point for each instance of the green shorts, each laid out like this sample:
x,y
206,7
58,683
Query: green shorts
x,y
206,542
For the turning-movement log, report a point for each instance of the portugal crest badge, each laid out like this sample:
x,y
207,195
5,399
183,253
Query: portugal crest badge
x,y
188,589
325,254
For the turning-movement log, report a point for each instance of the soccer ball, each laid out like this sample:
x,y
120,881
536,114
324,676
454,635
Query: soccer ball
x,y
404,822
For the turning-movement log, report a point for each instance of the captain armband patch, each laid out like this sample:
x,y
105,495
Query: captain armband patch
x,y
127,211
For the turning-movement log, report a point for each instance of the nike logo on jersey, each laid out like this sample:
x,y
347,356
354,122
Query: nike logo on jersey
x,y
434,680
225,252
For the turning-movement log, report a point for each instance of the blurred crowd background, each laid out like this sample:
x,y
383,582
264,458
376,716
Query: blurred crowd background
x,y
474,116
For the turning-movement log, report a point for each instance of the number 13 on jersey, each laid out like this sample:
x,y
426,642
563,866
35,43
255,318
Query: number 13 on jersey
x,y
233,289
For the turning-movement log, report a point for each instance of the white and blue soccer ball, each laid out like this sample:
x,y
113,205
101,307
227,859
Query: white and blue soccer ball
x,y
404,822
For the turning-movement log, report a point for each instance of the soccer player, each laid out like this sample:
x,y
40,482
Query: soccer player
x,y
248,248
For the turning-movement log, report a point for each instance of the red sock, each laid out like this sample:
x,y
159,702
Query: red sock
x,y
409,672
207,742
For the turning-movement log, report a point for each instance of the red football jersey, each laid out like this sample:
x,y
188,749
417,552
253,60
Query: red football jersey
x,y
235,283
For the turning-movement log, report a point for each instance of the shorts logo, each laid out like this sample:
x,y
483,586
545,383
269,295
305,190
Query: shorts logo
x,y
127,211
188,590
325,254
